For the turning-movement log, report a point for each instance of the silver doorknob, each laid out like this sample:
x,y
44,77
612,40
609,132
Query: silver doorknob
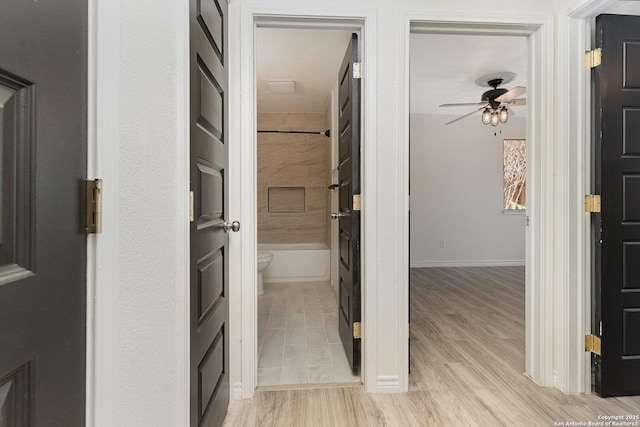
x,y
231,226
337,215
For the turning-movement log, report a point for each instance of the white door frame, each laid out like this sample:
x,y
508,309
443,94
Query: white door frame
x,y
575,29
243,300
540,250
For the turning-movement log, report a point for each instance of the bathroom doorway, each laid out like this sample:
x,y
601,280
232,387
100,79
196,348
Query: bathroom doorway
x,y
297,172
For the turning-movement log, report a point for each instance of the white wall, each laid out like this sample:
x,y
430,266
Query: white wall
x,y
140,348
456,194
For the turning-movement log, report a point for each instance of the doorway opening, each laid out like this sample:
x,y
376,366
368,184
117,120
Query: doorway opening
x,y
297,169
468,196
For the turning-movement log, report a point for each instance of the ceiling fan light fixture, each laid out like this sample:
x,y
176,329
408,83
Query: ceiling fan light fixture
x,y
495,118
486,116
504,115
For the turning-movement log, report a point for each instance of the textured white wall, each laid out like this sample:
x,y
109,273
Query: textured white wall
x,y
456,194
140,314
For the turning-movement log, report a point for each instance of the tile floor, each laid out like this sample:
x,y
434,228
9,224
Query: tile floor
x,y
298,339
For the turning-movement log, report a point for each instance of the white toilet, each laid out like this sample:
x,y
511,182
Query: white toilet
x,y
264,259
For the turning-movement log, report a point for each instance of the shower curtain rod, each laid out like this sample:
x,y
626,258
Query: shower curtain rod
x,y
326,133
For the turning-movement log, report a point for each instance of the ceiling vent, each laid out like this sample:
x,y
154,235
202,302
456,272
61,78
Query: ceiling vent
x,y
282,86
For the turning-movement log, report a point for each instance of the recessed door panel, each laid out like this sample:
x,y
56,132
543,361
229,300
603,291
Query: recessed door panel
x,y
631,328
631,64
631,265
210,105
211,372
210,283
631,198
211,19
631,123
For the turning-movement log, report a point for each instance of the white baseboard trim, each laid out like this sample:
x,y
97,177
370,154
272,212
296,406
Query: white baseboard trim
x,y
484,263
388,384
237,391
282,279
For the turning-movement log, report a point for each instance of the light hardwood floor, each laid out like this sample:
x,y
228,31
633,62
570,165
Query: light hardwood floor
x,y
467,364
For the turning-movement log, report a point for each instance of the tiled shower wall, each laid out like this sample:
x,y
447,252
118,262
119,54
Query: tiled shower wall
x,y
293,160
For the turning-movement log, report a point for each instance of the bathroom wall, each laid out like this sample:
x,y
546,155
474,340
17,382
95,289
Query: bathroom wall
x,y
294,167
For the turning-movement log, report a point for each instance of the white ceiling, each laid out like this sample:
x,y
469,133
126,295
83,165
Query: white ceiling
x,y
310,57
443,68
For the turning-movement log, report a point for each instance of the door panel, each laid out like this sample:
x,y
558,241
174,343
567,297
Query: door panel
x,y
43,115
349,184
617,171
209,287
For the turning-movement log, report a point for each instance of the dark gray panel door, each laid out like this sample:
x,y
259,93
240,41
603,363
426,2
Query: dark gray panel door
x,y
617,171
349,227
209,288
43,79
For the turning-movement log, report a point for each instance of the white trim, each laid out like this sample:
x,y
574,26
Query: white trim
x,y
250,15
183,97
574,169
539,257
387,384
483,263
102,257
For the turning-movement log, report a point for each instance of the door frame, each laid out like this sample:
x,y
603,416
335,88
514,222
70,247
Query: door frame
x,y
539,277
577,25
243,117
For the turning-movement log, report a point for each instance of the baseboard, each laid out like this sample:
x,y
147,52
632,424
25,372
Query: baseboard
x,y
283,279
388,384
483,263
237,391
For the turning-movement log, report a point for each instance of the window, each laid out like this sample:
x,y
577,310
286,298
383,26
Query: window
x,y
515,172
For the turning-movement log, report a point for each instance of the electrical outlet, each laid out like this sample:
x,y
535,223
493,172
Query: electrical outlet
x,y
441,244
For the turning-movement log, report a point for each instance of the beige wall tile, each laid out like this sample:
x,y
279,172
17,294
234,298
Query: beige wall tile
x,y
293,160
286,200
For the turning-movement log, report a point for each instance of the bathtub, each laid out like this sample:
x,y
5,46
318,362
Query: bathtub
x,y
297,262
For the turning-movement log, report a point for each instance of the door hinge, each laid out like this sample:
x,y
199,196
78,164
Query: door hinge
x,y
357,70
357,330
593,344
93,206
592,203
192,214
593,58
357,202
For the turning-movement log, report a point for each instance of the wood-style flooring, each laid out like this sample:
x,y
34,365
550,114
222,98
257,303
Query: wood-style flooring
x,y
467,364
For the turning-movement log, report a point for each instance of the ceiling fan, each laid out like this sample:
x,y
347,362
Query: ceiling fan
x,y
494,102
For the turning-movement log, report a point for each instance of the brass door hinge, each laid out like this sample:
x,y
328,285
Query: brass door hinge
x,y
593,58
357,70
357,330
357,202
192,214
593,344
93,206
592,203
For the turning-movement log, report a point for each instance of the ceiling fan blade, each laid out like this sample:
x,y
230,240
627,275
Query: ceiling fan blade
x,y
512,94
518,101
466,115
511,112
464,104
